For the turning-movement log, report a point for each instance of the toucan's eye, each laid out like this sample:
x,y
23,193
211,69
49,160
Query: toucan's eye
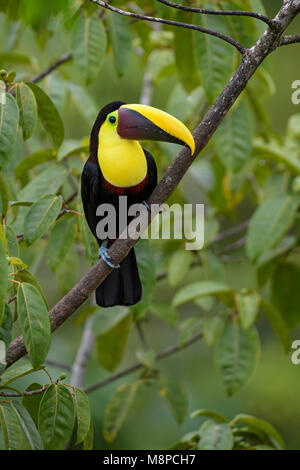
x,y
112,119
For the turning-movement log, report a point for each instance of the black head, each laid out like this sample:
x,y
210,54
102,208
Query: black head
x,y
107,109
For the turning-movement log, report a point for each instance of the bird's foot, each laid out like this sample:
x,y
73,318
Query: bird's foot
x,y
106,257
145,203
161,210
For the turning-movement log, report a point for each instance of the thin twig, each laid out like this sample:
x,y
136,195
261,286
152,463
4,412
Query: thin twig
x,y
229,232
12,299
233,246
154,19
58,364
162,355
205,11
62,60
141,335
26,393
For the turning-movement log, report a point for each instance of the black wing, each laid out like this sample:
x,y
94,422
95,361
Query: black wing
x,y
152,173
91,193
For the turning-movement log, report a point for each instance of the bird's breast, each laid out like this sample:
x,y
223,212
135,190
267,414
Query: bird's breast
x,y
122,162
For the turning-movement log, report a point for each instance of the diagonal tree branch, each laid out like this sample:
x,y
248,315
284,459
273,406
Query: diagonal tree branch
x,y
205,11
201,29
251,60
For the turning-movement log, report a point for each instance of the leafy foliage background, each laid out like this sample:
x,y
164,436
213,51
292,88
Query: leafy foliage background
x,y
247,295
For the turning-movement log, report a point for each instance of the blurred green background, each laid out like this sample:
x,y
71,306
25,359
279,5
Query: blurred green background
x,y
273,392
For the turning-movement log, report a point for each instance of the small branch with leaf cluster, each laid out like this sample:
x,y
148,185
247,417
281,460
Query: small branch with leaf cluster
x,y
206,11
179,24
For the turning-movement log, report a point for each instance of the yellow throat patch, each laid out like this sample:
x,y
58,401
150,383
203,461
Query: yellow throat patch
x,y
122,162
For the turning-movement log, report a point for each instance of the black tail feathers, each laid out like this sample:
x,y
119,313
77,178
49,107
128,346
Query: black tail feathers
x,y
122,286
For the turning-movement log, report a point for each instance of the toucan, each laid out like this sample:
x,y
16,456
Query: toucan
x,y
119,166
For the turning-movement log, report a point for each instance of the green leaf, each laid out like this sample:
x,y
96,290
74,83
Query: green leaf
x,y
237,354
4,279
12,241
164,311
188,328
83,101
82,407
278,324
49,115
71,148
274,152
32,402
88,442
212,327
175,396
56,417
215,415
179,266
270,222
28,109
106,319
60,241
185,52
215,58
117,409
89,46
34,323
36,158
15,372
66,272
261,425
147,270
233,139
285,292
112,344
4,194
147,358
40,217
13,435
14,58
293,128
200,289
47,182
27,276
28,426
120,37
245,32
6,326
248,305
215,436
9,122
188,441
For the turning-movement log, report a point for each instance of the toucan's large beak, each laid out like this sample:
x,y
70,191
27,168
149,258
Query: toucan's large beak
x,y
141,122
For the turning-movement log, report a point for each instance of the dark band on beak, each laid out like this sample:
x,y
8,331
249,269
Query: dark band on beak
x,y
133,125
